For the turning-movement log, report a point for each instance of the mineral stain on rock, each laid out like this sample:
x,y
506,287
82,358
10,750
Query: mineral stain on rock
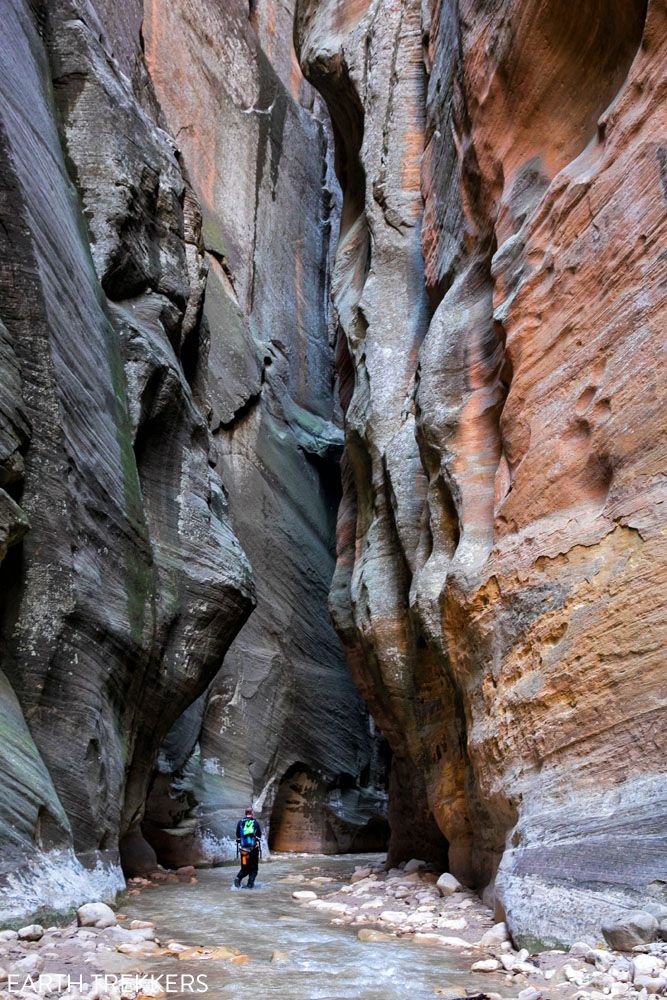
x,y
332,445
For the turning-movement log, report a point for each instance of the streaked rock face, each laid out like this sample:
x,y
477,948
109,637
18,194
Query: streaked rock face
x,y
127,550
252,137
123,409
501,541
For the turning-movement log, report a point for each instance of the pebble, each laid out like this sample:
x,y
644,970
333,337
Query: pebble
x,y
393,916
497,935
486,965
371,934
138,949
329,905
30,965
530,994
453,924
439,939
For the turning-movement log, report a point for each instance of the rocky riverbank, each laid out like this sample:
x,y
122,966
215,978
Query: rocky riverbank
x,y
437,911
100,955
107,955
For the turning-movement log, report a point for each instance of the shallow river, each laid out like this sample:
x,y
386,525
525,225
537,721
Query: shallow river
x,y
327,963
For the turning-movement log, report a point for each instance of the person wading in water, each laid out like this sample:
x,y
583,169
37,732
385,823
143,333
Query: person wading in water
x,y
248,836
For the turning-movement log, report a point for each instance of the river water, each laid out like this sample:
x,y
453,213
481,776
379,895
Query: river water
x,y
326,962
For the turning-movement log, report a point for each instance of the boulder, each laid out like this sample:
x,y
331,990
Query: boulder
x,y
302,894
413,866
96,915
580,950
33,932
630,929
646,965
448,885
652,984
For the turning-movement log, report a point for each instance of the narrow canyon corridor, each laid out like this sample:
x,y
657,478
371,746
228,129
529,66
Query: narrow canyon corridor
x,y
333,453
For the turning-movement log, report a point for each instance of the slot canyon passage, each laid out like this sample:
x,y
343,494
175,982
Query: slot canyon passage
x,y
333,444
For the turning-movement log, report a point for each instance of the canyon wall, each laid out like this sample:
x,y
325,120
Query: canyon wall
x,y
254,137
498,294
142,433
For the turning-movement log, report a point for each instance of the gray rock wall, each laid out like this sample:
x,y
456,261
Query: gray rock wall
x,y
167,390
255,141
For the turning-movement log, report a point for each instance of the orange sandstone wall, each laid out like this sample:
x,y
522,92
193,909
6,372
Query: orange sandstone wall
x,y
499,290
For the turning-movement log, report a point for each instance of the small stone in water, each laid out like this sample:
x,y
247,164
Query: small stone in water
x,y
370,934
359,874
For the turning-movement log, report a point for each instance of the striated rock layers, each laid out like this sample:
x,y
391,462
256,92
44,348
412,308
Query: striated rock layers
x,y
123,408
283,713
498,293
129,584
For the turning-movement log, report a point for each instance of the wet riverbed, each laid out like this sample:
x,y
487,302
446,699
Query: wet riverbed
x,y
325,962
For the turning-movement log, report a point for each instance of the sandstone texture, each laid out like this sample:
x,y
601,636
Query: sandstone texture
x,y
122,550
498,293
136,410
282,724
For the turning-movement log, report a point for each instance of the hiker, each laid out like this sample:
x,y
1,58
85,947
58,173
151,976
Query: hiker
x,y
248,836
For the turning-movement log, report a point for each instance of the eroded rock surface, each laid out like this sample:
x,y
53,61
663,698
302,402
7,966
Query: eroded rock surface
x,y
501,539
167,388
253,137
127,554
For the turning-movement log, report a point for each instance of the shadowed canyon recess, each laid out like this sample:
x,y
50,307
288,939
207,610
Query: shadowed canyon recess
x,y
333,444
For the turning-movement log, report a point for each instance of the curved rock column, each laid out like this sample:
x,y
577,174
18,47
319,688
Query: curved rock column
x,y
502,534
